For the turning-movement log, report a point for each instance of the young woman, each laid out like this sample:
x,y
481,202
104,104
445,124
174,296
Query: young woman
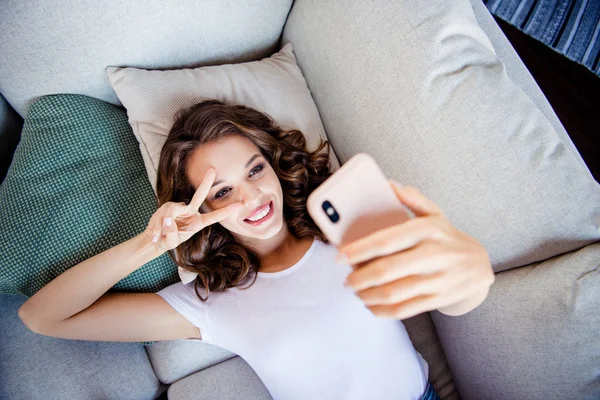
x,y
232,189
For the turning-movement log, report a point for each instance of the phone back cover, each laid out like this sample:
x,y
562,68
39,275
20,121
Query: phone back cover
x,y
363,198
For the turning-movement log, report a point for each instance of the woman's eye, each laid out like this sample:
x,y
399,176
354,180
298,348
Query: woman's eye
x,y
221,193
253,172
258,168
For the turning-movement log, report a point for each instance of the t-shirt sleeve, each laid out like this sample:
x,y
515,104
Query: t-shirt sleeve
x,y
182,297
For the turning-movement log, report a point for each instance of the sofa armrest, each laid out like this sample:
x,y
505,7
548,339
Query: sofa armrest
x,y
518,73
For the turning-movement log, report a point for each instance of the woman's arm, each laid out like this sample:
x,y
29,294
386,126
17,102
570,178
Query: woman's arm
x,y
467,305
79,287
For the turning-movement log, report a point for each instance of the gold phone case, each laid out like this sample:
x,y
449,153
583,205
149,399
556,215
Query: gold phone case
x,y
363,199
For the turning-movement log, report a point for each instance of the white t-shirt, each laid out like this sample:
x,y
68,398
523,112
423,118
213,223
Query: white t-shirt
x,y
306,335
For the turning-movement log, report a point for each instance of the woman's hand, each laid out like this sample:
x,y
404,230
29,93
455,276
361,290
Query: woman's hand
x,y
174,223
420,265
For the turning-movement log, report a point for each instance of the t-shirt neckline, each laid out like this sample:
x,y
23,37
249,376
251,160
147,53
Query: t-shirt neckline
x,y
294,267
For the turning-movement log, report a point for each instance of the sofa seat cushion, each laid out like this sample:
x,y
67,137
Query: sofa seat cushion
x,y
535,336
38,367
175,359
232,379
424,338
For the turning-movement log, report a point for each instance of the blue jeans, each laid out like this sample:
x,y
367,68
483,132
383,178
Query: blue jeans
x,y
430,393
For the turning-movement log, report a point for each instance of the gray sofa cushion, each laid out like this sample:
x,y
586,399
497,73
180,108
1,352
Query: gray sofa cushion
x,y
176,359
519,74
536,336
40,367
232,379
421,88
64,46
425,339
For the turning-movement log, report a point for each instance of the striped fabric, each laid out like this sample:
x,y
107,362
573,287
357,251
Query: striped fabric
x,y
571,27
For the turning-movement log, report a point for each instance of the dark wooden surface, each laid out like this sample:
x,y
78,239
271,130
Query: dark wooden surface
x,y
572,90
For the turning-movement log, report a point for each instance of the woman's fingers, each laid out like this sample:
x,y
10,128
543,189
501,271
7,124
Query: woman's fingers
x,y
173,222
170,232
157,225
150,230
389,240
408,287
220,214
167,219
427,302
202,190
421,259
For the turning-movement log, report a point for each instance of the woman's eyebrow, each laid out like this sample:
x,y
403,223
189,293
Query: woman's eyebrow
x,y
246,166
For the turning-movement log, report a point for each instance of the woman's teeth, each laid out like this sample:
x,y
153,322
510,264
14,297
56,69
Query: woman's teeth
x,y
262,214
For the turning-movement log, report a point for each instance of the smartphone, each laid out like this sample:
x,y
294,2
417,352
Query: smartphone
x,y
355,201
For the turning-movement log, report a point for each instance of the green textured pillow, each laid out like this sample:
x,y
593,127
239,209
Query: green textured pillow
x,y
76,187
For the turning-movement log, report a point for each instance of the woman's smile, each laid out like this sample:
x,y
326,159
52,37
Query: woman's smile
x,y
260,214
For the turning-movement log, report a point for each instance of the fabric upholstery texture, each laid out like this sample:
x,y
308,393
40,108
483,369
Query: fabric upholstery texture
x,y
230,380
76,187
38,367
520,75
535,336
176,359
273,85
63,46
422,89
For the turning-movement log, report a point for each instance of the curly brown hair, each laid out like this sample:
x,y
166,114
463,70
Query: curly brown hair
x,y
220,261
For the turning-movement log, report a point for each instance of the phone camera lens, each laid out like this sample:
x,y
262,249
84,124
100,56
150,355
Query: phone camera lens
x,y
330,211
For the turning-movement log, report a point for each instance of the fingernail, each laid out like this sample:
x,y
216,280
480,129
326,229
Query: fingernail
x,y
154,239
168,221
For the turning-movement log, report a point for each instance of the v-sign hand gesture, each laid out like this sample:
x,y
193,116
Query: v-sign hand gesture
x,y
174,223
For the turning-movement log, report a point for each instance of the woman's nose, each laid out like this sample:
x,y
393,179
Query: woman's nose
x,y
250,195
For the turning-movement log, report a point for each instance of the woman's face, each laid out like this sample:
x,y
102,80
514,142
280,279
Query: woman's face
x,y
242,174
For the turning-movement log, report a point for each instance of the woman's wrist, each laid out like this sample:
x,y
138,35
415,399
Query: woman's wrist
x,y
467,305
146,249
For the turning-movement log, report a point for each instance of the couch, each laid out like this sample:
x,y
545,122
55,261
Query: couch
x,y
535,336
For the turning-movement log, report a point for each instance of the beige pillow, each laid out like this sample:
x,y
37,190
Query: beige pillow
x,y
273,85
